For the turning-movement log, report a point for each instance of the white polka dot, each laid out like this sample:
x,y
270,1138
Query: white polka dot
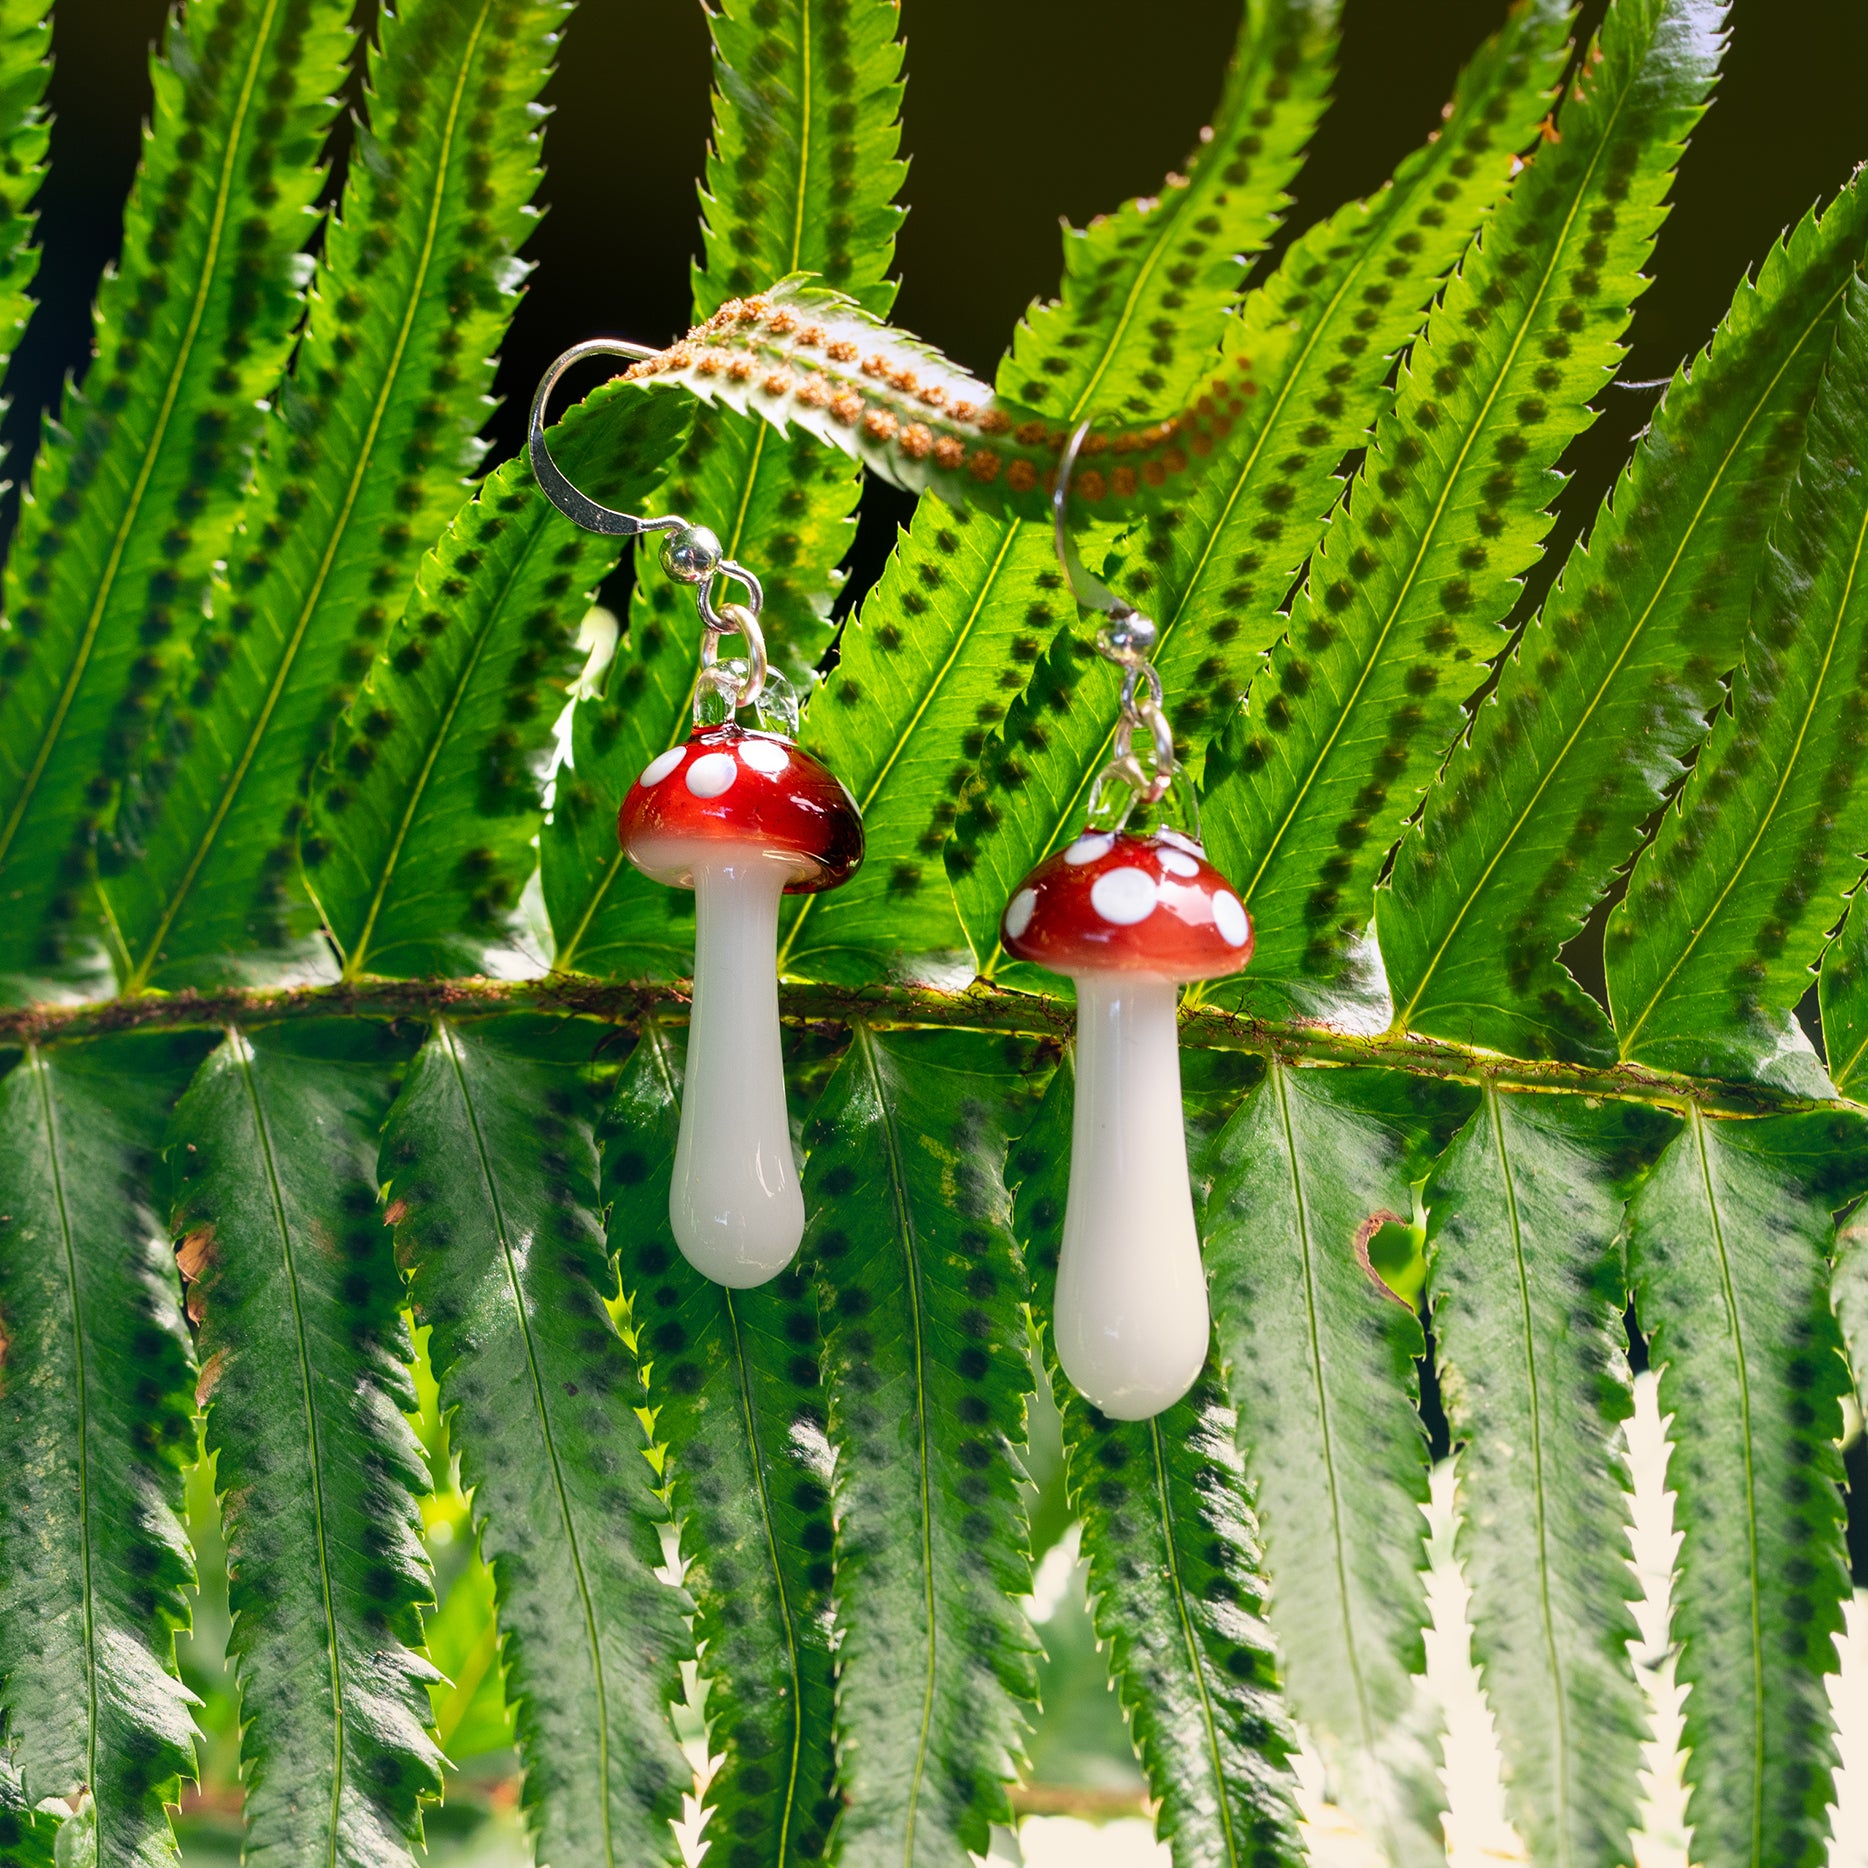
x,y
1088,848
764,755
1178,865
658,769
1018,913
1178,840
1124,896
711,774
1230,918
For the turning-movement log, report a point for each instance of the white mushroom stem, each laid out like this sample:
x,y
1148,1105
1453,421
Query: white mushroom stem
x,y
1131,1295
735,1206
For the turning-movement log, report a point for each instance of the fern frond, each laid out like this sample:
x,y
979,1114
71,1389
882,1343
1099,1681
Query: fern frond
x,y
1320,1355
95,1400
967,604
734,1381
1348,717
424,814
1842,994
1609,689
1727,909
134,495
296,1301
362,467
1727,1245
909,1230
492,1170
25,131
1177,1589
801,174
1144,287
1527,1288
1214,568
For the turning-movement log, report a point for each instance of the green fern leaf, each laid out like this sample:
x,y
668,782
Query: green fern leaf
x,y
27,1838
95,1399
1610,687
362,468
296,1300
1526,1283
1348,717
953,625
737,1393
1848,1297
1176,1584
963,606
425,813
493,1187
1728,908
928,1378
1108,342
1320,1358
801,175
133,498
25,130
1727,1245
1313,346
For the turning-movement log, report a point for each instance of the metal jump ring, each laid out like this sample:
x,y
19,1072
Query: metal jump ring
x,y
738,620
562,494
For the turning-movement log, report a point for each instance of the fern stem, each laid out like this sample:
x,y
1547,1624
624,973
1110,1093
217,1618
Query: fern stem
x,y
980,1007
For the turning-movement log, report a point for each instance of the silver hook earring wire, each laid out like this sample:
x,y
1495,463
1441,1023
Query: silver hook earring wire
x,y
1127,638
692,556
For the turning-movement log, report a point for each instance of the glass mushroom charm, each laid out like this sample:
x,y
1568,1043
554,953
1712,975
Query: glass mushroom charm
x,y
1128,918
741,817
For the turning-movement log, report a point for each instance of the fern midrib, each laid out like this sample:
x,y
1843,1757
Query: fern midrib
x,y
37,1065
898,1187
1009,536
120,543
1729,1298
139,974
754,1440
353,963
1300,1210
1614,669
488,1180
1777,796
1560,1709
1450,482
243,1062
1178,1590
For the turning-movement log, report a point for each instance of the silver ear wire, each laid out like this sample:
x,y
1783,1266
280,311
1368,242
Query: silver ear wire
x,y
575,506
693,556
1126,638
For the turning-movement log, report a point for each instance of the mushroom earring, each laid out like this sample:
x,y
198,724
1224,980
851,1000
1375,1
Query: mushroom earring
x,y
741,816
1128,918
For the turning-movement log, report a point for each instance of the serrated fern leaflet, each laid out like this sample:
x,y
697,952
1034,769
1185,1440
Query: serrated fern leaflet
x,y
363,462
734,1381
1627,656
134,495
492,1170
95,1380
1348,717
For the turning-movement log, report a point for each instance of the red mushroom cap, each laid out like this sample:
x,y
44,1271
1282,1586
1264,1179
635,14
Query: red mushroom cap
x,y
734,788
1118,903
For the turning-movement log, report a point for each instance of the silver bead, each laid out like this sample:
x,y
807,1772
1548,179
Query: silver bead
x,y
1129,632
692,555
